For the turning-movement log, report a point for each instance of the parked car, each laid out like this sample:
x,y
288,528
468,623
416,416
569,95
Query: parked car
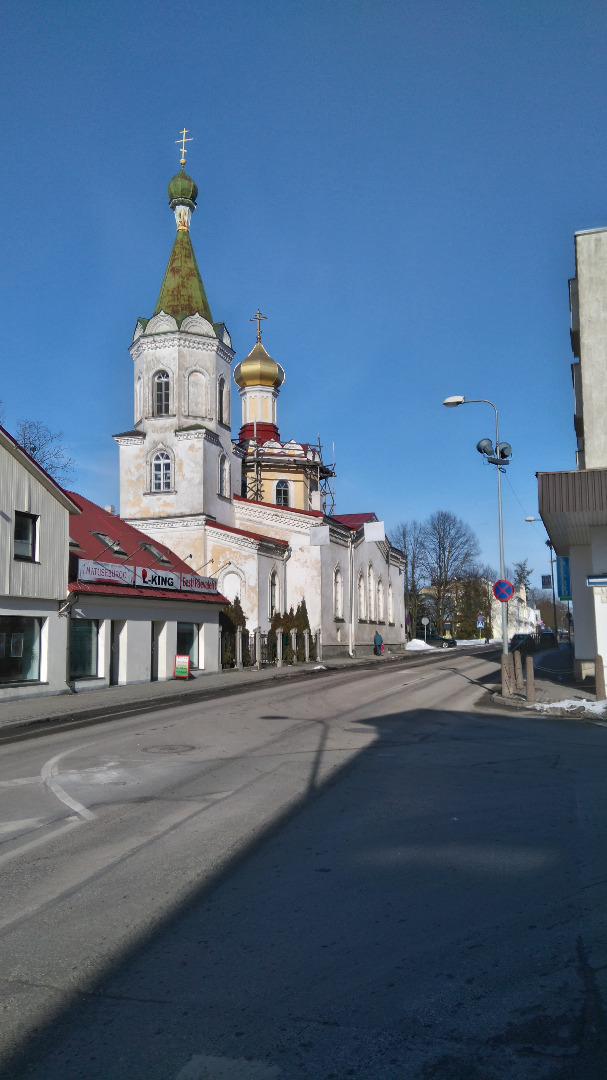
x,y
548,640
520,641
441,642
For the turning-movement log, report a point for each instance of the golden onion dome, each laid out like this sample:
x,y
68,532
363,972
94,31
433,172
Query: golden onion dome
x,y
259,369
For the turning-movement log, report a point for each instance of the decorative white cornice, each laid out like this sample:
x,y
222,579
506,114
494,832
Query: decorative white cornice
x,y
155,524
229,539
129,440
198,433
281,518
179,340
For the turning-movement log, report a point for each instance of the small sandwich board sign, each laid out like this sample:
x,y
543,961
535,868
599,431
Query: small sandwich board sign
x,y
182,667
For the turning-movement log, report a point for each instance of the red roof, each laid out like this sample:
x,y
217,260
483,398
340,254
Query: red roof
x,y
98,588
93,519
353,521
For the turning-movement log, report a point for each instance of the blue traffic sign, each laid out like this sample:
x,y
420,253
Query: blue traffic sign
x,y
503,590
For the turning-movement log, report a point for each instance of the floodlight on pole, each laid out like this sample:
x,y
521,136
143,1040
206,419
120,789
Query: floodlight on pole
x,y
459,399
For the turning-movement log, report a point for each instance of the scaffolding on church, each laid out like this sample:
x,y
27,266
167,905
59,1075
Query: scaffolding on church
x,y
324,476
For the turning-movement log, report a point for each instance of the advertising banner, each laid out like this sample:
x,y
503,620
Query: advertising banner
x,y
193,583
110,572
157,579
182,667
563,580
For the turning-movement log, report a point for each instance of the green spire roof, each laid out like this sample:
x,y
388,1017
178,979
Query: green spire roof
x,y
182,292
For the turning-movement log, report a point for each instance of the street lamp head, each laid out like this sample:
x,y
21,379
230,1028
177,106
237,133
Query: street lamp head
x,y
530,519
451,402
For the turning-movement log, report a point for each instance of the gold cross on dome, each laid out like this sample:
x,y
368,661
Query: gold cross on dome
x,y
183,141
257,318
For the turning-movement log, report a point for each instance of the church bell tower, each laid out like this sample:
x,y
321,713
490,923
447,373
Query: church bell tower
x,y
178,458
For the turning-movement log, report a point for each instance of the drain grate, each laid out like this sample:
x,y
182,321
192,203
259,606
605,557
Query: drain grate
x,y
175,748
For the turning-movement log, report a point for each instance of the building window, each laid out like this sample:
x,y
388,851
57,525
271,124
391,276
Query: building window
x,y
390,605
25,536
19,649
362,606
338,594
221,411
161,471
161,393
224,477
187,641
371,581
282,493
273,600
84,636
380,601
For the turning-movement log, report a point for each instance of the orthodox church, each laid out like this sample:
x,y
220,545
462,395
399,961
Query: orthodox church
x,y
254,512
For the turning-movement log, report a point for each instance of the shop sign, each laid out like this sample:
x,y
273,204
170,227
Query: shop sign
x,y
157,579
115,573
198,584
182,667
563,577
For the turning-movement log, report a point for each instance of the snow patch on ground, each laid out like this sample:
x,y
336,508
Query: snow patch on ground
x,y
417,645
593,708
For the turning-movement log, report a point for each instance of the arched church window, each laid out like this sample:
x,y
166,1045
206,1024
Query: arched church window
x,y
380,600
273,594
282,493
161,393
221,389
390,604
224,476
362,598
371,581
161,471
338,593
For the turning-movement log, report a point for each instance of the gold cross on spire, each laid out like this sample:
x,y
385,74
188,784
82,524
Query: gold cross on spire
x,y
257,318
183,141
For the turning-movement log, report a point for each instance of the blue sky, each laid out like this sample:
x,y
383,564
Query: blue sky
x,y
395,184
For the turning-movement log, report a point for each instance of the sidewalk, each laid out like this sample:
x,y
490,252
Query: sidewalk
x,y
556,691
115,701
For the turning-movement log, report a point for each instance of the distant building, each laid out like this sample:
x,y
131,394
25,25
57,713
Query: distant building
x,y
573,504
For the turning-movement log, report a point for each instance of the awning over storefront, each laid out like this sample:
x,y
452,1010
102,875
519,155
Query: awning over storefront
x,y
570,504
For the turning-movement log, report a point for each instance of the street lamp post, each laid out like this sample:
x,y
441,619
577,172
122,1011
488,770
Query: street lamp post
x,y
452,402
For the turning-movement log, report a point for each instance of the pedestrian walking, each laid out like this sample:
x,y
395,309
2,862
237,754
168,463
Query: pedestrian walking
x,y
378,642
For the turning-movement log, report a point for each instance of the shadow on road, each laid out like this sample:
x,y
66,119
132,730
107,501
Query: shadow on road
x,y
416,918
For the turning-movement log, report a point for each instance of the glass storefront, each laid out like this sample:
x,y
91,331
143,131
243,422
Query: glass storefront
x,y
19,649
84,634
187,641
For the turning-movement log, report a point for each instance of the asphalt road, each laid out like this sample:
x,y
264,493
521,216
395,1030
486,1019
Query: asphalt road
x,y
357,876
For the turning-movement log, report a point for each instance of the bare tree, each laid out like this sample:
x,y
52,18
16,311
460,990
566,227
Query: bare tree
x,y
46,449
407,536
449,551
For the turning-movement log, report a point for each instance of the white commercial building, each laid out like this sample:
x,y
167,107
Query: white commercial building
x,y
34,534
573,504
